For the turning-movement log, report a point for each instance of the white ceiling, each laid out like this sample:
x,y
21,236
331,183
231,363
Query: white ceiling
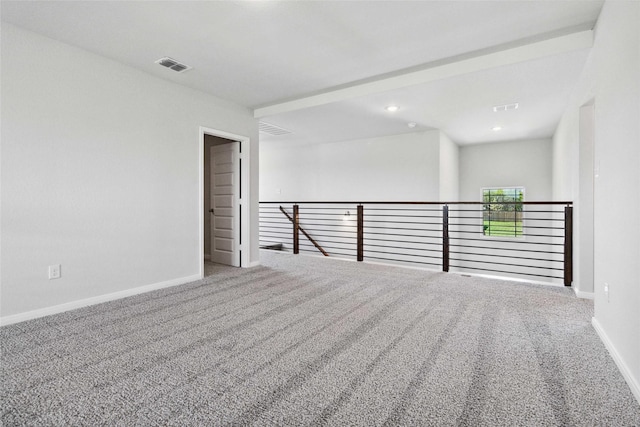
x,y
260,53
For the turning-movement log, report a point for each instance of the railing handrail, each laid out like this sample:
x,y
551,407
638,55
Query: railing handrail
x,y
299,202
395,238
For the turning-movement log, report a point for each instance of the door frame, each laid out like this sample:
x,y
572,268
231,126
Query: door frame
x,y
244,245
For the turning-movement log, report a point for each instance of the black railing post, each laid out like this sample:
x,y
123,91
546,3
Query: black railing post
x,y
296,227
445,238
568,245
360,233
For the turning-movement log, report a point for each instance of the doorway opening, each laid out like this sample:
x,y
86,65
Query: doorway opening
x,y
224,200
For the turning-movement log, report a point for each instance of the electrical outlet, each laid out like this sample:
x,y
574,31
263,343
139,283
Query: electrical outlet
x,y
54,271
606,291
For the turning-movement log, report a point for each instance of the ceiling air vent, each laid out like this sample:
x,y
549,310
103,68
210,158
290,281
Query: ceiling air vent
x,y
273,130
506,107
173,64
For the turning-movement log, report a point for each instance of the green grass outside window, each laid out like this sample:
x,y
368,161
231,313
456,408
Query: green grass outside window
x,y
503,228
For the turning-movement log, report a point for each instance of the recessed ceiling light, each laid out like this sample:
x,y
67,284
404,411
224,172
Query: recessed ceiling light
x,y
505,107
412,124
496,128
392,108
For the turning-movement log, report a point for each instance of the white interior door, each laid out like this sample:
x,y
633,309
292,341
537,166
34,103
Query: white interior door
x,y
225,203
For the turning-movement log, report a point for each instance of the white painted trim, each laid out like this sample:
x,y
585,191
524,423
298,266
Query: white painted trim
x,y
254,263
622,366
245,191
431,72
584,295
508,279
201,203
410,267
245,155
47,311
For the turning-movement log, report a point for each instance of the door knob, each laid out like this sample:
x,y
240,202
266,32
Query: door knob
x,y
211,210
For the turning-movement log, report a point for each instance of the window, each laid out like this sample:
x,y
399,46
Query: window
x,y
502,211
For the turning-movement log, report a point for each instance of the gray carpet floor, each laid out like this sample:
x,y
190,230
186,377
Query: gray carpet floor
x,y
309,341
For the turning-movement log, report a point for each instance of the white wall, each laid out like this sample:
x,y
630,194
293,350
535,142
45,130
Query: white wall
x,y
100,173
405,168
449,169
611,80
393,168
617,156
572,174
509,164
506,164
583,209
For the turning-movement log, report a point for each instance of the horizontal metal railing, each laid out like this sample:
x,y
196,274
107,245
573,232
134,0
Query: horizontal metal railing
x,y
452,236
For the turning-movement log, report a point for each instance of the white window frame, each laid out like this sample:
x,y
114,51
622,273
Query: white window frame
x,y
510,187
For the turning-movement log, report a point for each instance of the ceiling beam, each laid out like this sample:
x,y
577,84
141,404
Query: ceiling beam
x,y
437,71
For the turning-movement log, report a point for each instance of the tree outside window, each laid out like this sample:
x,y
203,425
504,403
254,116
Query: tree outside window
x,y
502,211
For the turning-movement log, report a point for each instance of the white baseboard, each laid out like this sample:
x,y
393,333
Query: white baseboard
x,y
508,279
254,263
583,295
622,366
47,311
